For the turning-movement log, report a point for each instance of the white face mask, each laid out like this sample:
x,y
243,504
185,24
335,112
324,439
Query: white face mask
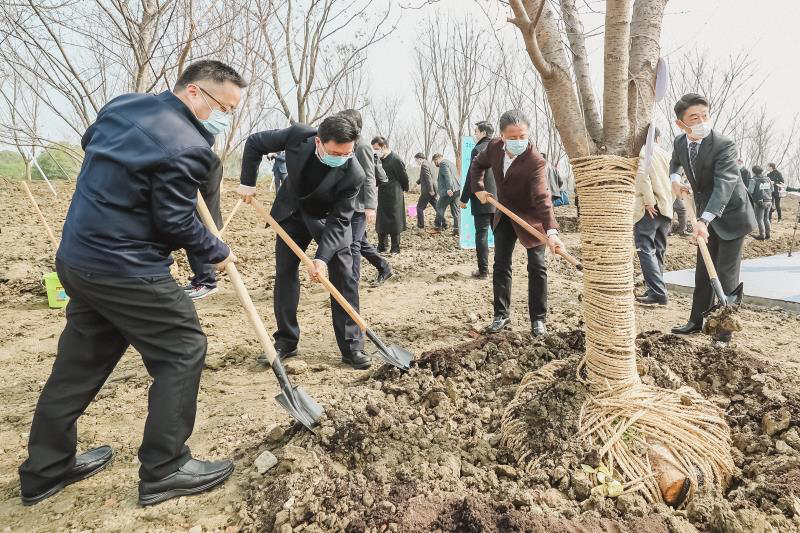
x,y
701,130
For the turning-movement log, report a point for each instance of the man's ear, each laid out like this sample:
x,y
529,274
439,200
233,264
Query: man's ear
x,y
680,124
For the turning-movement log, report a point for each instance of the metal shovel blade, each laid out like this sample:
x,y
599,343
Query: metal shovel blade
x,y
295,400
394,355
733,298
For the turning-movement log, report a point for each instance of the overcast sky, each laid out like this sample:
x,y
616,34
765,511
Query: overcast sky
x,y
770,28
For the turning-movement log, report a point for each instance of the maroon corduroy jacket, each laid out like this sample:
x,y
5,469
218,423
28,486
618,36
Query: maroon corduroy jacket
x,y
523,189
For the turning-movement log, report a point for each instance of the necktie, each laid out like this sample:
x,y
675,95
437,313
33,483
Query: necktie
x,y
693,156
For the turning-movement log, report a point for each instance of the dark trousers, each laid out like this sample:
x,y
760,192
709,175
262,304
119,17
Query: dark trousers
x,y
776,206
482,224
680,210
424,201
287,287
104,315
727,257
441,208
763,211
504,240
650,236
361,247
383,241
278,178
204,273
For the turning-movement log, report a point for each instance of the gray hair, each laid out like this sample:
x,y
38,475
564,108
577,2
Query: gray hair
x,y
513,117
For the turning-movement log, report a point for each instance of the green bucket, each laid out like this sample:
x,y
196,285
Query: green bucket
x,y
56,296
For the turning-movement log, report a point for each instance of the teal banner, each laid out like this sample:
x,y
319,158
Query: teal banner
x,y
467,228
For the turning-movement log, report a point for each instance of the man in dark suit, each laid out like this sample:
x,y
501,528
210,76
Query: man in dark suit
x,y
427,189
727,216
777,186
316,202
145,158
744,173
204,280
482,214
449,187
521,179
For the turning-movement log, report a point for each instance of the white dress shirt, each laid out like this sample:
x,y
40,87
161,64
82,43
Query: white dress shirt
x,y
708,217
507,160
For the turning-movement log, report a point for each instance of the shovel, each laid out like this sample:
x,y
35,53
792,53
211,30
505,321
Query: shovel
x,y
295,400
723,300
393,354
536,233
230,217
47,228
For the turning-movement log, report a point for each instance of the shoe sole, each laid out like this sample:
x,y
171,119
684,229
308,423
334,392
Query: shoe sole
x,y
376,284
362,366
262,359
152,499
62,485
206,295
492,332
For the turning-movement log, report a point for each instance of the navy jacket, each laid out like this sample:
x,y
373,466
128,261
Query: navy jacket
x,y
335,196
136,193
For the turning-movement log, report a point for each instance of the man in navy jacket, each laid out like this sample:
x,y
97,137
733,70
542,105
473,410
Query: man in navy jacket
x,y
134,203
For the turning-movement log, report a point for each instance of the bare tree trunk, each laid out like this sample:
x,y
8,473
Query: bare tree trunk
x,y
615,83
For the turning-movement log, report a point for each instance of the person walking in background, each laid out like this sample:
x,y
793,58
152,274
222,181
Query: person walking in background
x,y
391,220
448,188
521,180
481,213
652,215
777,188
555,183
744,173
365,209
427,189
279,169
761,191
726,214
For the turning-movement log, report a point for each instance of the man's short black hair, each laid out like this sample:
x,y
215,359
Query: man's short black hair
x,y
437,156
656,133
380,141
485,127
687,101
757,170
419,155
772,166
339,129
354,115
209,69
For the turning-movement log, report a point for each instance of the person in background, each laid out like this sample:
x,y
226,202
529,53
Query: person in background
x,y
555,183
652,215
481,213
726,213
761,191
448,188
279,169
365,209
391,203
744,173
427,189
204,275
777,186
134,204
521,180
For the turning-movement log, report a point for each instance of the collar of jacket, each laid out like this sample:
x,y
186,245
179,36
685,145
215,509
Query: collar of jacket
x,y
169,98
483,141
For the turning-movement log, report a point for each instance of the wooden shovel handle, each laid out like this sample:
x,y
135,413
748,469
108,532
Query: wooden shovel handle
x,y
230,217
238,285
710,268
264,214
50,233
533,231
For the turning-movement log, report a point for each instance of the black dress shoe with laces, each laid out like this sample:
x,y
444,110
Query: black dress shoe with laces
x,y
192,478
649,299
498,324
357,360
282,355
538,329
383,276
87,464
689,327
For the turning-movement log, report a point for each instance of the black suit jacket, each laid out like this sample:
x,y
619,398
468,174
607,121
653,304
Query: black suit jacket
x,y
717,184
336,195
475,205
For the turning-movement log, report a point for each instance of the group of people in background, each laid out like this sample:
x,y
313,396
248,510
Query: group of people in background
x,y
766,191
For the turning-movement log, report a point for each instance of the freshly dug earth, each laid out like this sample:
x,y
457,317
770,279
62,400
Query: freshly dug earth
x,y
422,450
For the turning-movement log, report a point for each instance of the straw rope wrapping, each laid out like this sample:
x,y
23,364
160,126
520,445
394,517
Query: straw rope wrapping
x,y
623,419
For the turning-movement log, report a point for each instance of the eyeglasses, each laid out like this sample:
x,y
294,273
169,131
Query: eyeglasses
x,y
223,107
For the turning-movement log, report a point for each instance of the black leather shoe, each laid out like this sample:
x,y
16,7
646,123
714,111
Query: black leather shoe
x,y
649,299
192,478
87,464
357,360
477,274
383,276
689,327
538,328
283,354
498,324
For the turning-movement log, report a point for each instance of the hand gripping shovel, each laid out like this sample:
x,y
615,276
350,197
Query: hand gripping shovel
x,y
394,355
536,233
723,300
294,399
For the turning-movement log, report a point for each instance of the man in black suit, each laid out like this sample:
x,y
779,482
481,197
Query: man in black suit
x,y
744,173
316,202
427,188
481,213
727,216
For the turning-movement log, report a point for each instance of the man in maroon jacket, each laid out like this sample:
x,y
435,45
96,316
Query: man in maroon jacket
x,y
521,177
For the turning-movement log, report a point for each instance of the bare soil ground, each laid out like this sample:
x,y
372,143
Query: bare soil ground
x,y
419,452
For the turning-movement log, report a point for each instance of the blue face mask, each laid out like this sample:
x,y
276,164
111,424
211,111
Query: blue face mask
x,y
332,160
516,147
217,122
